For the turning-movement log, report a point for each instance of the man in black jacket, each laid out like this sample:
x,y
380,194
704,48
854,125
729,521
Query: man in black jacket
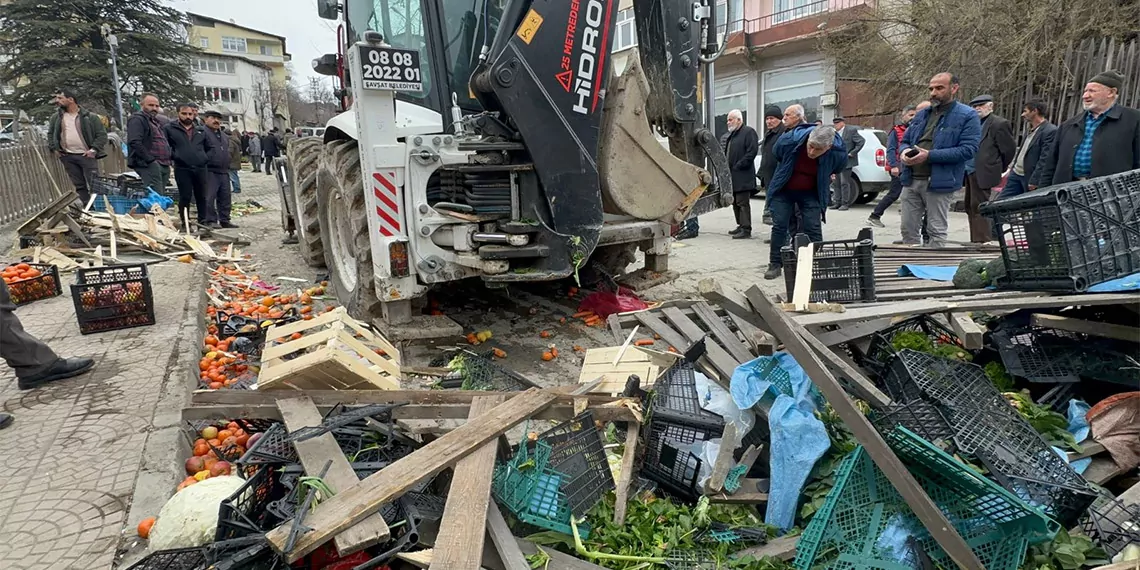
x,y
188,151
271,148
1025,174
995,152
218,192
844,187
1103,140
147,144
740,150
774,125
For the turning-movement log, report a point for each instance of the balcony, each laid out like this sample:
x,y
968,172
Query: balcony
x,y
799,20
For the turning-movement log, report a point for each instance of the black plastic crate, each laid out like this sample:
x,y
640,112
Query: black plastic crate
x,y
1113,525
881,349
112,298
1071,236
244,513
44,286
176,559
1054,356
923,418
842,271
232,453
675,397
667,459
577,454
987,427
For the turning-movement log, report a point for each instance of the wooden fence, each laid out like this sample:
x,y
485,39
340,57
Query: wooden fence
x,y
30,176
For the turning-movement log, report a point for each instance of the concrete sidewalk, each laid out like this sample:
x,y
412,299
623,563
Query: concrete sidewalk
x,y
79,447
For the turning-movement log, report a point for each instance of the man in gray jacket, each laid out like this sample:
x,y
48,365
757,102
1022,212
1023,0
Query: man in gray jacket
x,y
844,187
996,151
255,151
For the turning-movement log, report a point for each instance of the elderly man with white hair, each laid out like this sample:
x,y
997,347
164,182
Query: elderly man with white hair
x,y
807,157
740,148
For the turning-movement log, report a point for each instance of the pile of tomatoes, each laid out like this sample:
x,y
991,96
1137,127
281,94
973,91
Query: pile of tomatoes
x,y
219,368
28,282
229,440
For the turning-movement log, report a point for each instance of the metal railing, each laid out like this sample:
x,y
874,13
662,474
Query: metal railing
x,y
791,14
31,176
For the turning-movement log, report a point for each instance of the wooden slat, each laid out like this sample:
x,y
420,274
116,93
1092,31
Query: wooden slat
x,y
728,443
317,452
1006,304
625,477
852,332
966,329
1106,330
720,359
459,545
793,335
727,338
355,503
506,545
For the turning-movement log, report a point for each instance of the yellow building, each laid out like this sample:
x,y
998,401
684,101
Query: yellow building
x,y
263,50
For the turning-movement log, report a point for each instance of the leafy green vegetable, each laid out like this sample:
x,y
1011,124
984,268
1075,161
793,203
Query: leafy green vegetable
x,y
997,374
913,340
1051,425
952,352
1065,552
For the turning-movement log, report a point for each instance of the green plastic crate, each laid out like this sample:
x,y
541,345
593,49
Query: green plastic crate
x,y
532,491
852,528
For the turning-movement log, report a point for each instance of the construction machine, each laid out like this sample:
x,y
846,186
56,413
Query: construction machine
x,y
491,139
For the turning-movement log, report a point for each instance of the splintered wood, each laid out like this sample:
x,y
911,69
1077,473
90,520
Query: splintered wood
x,y
335,353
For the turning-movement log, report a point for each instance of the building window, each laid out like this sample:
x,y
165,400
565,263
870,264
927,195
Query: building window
x,y
729,93
737,16
235,119
266,50
626,36
803,85
219,94
213,65
204,43
787,10
236,45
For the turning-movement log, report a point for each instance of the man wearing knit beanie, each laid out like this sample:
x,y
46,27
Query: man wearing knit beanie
x,y
1103,140
773,128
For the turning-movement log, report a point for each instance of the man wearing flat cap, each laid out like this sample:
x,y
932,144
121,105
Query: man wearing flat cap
x,y
218,190
1103,140
995,152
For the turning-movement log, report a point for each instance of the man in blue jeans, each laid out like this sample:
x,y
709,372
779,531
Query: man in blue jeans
x,y
807,157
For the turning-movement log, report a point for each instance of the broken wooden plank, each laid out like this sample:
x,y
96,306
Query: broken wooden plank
x,y
761,342
793,336
1105,330
966,305
505,543
967,330
323,450
357,502
781,548
558,560
737,349
720,359
848,333
625,477
749,493
459,545
728,444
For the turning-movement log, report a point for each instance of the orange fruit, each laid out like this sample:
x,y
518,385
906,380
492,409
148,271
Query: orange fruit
x,y
222,435
268,301
201,449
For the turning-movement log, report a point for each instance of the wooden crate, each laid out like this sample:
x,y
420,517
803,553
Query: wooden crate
x,y
329,356
647,364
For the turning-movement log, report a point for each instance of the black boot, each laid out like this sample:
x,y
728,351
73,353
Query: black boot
x,y
774,271
58,370
734,233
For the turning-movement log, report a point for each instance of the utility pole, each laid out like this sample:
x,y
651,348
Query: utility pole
x,y
113,42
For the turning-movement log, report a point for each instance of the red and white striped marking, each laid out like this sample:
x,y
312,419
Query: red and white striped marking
x,y
387,202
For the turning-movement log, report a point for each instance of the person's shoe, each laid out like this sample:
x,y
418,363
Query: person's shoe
x,y
903,242
290,240
744,234
6,419
873,221
766,220
767,240
58,370
843,208
228,225
213,225
773,272
734,233
686,234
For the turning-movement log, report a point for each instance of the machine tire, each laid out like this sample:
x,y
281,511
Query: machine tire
x,y
304,155
342,210
610,259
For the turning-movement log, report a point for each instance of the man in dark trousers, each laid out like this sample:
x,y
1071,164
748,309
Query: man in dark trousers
x,y
77,136
807,157
894,136
147,144
218,192
846,191
188,151
1103,140
33,361
271,148
740,149
1025,174
774,127
996,151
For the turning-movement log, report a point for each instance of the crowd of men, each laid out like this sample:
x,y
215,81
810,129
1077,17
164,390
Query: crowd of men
x,y
203,154
937,148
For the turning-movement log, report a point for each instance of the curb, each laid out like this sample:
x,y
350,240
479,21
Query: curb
x,y
166,448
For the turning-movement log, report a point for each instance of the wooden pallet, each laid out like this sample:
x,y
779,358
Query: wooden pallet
x,y
891,287
329,357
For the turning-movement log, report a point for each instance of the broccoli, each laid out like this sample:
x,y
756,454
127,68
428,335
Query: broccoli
x,y
970,274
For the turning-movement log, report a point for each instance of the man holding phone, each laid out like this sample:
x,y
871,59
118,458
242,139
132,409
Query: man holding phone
x,y
936,147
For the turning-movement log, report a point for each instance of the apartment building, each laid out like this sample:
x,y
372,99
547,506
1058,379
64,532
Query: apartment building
x,y
241,73
771,58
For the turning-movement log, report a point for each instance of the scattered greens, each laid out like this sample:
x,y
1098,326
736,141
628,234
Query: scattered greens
x,y
323,491
919,342
822,478
1051,425
999,376
1065,552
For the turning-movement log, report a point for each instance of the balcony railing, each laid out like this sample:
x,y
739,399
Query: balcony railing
x,y
799,19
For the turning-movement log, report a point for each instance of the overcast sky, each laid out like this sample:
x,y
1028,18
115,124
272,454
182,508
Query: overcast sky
x,y
306,36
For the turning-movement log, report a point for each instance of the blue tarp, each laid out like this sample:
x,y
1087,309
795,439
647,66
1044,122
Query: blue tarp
x,y
1127,283
931,272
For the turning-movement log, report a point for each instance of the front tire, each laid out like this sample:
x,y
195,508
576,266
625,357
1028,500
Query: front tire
x,y
304,155
341,209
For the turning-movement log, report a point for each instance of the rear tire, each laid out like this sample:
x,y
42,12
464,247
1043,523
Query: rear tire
x,y
304,155
341,210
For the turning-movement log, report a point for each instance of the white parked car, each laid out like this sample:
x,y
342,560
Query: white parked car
x,y
871,174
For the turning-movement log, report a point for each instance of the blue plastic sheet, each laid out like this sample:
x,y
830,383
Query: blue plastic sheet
x,y
153,198
1127,283
777,374
799,439
931,272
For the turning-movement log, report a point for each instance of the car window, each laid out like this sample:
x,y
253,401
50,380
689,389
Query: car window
x,y
881,136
